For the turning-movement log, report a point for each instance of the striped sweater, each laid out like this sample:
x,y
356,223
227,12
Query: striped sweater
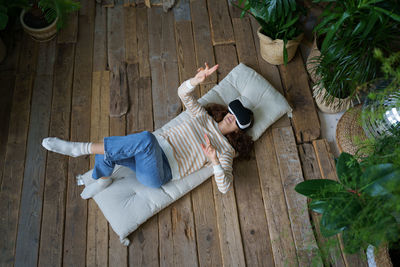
x,y
182,144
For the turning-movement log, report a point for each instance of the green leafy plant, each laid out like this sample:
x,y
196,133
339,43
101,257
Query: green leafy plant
x,y
383,87
6,6
365,204
60,8
278,18
350,31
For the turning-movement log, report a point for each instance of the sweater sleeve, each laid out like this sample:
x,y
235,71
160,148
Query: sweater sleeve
x,y
223,173
191,104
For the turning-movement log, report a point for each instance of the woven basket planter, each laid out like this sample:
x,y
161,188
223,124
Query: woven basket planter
x,y
311,63
333,105
272,50
40,35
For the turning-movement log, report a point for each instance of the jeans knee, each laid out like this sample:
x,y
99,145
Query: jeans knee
x,y
148,138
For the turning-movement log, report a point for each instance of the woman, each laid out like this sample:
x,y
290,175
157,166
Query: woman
x,y
176,152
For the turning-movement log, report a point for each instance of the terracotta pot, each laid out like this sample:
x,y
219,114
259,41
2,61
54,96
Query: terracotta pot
x,y
311,63
3,50
272,50
332,104
40,35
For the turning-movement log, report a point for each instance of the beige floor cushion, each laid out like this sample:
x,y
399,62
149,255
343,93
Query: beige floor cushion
x,y
126,203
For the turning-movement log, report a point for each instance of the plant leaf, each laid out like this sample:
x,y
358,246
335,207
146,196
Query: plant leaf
x,y
385,186
348,170
318,206
319,188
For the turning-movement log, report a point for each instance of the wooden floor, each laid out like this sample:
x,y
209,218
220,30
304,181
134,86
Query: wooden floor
x,y
108,55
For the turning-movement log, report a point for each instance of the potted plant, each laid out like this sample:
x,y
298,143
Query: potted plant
x,y
365,204
279,32
45,17
6,6
348,34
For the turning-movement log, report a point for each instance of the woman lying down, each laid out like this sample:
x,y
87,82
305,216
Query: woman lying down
x,y
213,134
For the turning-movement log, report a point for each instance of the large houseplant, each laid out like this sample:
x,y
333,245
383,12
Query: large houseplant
x,y
279,32
365,204
45,17
349,32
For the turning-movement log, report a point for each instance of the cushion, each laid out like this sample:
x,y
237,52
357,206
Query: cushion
x,y
126,203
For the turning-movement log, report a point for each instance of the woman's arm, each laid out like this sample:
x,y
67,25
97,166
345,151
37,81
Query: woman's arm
x,y
186,89
222,166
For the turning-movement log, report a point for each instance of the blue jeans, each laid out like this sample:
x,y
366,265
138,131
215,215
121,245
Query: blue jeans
x,y
139,152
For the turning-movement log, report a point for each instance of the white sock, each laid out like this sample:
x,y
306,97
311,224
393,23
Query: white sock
x,y
73,149
96,187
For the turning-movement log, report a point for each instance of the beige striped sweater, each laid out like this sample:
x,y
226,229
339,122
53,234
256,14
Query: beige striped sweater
x,y
181,144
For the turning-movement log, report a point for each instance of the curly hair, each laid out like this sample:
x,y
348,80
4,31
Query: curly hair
x,y
240,141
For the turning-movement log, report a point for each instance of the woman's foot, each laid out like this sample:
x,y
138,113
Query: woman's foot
x,y
73,149
96,187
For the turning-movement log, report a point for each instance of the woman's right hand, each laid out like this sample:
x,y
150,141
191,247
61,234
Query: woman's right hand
x,y
202,73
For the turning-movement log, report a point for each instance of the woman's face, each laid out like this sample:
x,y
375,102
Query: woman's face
x,y
230,123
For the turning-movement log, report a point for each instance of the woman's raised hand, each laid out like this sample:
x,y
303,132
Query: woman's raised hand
x,y
210,151
202,73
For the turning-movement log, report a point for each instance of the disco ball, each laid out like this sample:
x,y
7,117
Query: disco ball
x,y
376,127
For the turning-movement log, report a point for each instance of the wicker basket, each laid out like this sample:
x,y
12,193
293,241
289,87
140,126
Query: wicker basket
x,y
382,257
40,35
311,63
349,129
272,50
335,105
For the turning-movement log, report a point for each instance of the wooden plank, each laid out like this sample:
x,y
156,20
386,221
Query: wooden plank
x,y
143,42
185,52
226,58
220,22
256,239
140,115
100,60
246,50
107,3
13,42
128,3
10,191
30,211
206,225
283,248
269,72
202,36
207,237
28,55
7,81
182,11
97,229
164,66
291,175
76,208
297,91
143,250
252,218
69,34
51,240
131,45
327,167
116,61
117,253
329,247
228,227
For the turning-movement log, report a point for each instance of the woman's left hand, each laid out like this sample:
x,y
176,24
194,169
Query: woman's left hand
x,y
202,73
210,151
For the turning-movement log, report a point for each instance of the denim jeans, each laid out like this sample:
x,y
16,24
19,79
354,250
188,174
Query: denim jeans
x,y
139,152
